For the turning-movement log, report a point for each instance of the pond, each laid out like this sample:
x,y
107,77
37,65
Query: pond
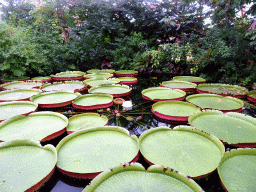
x,y
135,115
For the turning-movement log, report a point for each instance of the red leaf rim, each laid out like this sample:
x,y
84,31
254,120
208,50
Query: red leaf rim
x,y
251,99
170,118
93,106
90,175
129,82
81,77
126,75
54,135
70,132
54,105
239,96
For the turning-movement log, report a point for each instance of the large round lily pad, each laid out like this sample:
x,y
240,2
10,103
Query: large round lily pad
x,y
18,94
174,110
86,153
45,79
98,75
237,170
251,96
14,108
68,76
84,121
163,94
115,90
70,86
232,128
184,148
223,89
22,85
126,73
100,81
192,79
182,85
8,80
93,101
127,80
212,101
25,165
100,71
132,177
41,126
54,99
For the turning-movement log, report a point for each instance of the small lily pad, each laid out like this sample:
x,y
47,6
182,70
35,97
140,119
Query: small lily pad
x,y
98,75
68,76
45,79
127,80
182,85
100,81
115,90
70,86
192,79
126,73
251,96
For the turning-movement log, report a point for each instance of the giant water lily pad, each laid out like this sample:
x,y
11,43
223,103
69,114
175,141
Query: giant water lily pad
x,y
100,71
86,153
223,89
212,101
68,76
45,79
174,110
232,128
163,94
41,126
192,79
22,85
251,96
127,80
100,81
93,101
126,73
70,86
54,99
115,90
182,85
14,108
8,80
18,94
98,75
132,176
184,148
25,165
84,121
237,170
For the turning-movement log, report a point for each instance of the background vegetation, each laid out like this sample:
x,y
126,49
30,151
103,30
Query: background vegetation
x,y
167,36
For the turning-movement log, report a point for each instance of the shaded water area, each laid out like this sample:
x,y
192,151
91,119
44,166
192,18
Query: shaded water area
x,y
136,119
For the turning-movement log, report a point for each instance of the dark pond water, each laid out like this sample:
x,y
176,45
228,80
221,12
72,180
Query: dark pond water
x,y
136,119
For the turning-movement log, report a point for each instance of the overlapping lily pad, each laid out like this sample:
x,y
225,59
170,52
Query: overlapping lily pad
x,y
212,101
98,75
22,85
14,108
45,79
127,80
100,71
182,85
68,76
192,79
100,81
84,121
184,148
86,153
251,96
115,90
232,128
237,170
93,101
54,99
18,94
133,177
163,94
41,126
174,110
70,86
126,73
8,80
223,89
25,165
